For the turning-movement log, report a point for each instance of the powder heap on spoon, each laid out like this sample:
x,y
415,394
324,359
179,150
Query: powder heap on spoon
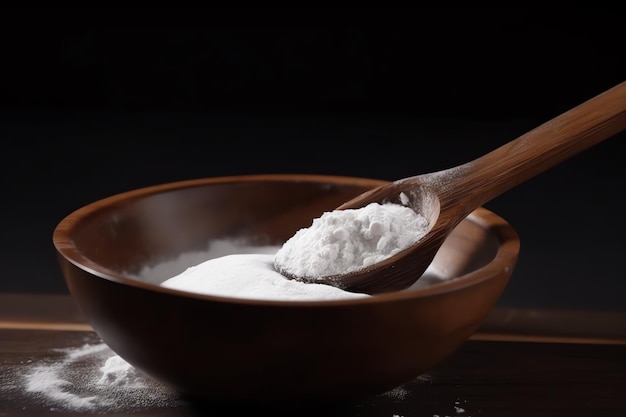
x,y
342,241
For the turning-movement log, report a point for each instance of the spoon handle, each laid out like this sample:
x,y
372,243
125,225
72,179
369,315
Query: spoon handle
x,y
479,181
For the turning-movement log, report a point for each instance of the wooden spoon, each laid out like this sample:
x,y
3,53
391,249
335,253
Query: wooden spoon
x,y
446,197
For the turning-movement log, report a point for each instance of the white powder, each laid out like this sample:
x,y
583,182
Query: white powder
x,y
116,372
342,241
338,241
250,276
91,378
156,274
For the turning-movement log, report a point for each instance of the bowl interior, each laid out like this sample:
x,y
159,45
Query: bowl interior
x,y
152,234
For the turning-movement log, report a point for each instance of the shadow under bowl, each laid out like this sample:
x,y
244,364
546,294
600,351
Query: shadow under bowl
x,y
263,351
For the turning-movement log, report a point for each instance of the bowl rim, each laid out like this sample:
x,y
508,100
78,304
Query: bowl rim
x,y
503,261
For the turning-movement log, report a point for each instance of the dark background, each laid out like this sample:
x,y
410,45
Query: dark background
x,y
96,101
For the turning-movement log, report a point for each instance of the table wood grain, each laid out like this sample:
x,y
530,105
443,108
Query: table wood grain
x,y
520,363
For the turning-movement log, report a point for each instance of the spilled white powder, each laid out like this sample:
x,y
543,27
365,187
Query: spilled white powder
x,y
91,379
116,372
52,382
457,408
87,378
342,241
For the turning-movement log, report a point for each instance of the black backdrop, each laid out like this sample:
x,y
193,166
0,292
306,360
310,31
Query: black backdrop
x,y
96,101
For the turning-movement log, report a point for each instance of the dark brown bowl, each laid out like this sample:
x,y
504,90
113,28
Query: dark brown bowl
x,y
230,349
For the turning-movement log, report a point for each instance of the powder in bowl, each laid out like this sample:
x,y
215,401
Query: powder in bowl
x,y
337,242
250,276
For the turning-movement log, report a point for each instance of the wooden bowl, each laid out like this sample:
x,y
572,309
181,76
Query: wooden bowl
x,y
262,351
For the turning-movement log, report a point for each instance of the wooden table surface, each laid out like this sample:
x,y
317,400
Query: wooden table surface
x,y
521,362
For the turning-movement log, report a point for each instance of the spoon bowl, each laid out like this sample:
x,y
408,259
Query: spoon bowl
x,y
446,197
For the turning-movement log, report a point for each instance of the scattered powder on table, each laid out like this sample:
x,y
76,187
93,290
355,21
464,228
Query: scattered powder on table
x,y
87,378
457,407
91,378
116,372
342,241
